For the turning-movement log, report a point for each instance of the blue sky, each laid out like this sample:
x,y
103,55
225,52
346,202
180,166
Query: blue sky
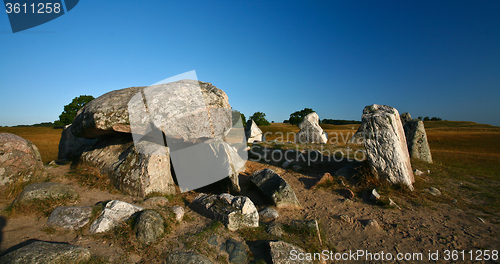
x,y
429,58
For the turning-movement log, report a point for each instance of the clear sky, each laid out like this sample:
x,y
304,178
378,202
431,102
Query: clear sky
x,y
429,58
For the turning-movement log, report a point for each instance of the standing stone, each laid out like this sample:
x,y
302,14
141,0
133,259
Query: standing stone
x,y
386,145
149,226
41,252
113,214
71,147
275,188
310,130
234,211
20,160
70,217
405,118
252,132
416,138
136,169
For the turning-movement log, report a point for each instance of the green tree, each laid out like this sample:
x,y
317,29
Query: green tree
x,y
260,119
69,113
298,116
426,118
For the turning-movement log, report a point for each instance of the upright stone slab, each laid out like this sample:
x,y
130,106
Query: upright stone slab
x,y
405,117
275,188
310,130
385,145
416,138
20,160
252,132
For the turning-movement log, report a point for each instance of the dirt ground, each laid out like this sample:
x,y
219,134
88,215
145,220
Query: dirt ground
x,y
412,229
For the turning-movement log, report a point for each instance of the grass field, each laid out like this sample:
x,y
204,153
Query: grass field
x,y
46,139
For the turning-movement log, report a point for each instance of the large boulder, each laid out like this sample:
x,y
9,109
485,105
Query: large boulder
x,y
275,188
233,211
136,169
70,217
252,132
20,160
113,214
385,145
71,147
42,252
416,139
44,191
310,130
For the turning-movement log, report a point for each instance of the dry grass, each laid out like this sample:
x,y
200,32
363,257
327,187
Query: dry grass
x,y
46,139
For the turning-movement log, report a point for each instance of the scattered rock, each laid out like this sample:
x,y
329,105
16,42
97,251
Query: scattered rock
x,y
268,214
418,172
149,226
296,168
275,188
287,164
310,130
345,218
392,203
237,251
347,193
155,202
20,160
71,147
41,252
70,217
135,169
178,212
114,213
252,132
280,252
275,229
454,201
325,179
416,139
234,211
53,163
434,191
45,190
385,145
374,195
371,223
480,219
186,258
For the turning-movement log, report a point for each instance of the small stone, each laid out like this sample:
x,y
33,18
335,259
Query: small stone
x,y
345,218
179,212
480,219
296,168
275,229
275,188
237,251
325,179
454,201
392,203
53,164
186,258
70,217
418,172
268,214
374,195
280,252
434,191
149,226
428,171
287,164
114,213
45,190
371,223
155,202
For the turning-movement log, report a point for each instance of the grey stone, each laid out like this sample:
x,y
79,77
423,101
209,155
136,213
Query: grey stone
x,y
345,218
275,188
371,223
41,252
310,225
237,251
156,202
454,201
417,143
114,213
20,160
45,190
358,138
136,169
374,195
405,117
434,191
275,229
385,145
149,226
234,211
310,130
252,132
418,172
178,212
268,214
186,258
280,252
70,217
287,164
71,147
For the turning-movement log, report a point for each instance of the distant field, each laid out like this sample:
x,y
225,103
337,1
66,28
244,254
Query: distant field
x,y
46,139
